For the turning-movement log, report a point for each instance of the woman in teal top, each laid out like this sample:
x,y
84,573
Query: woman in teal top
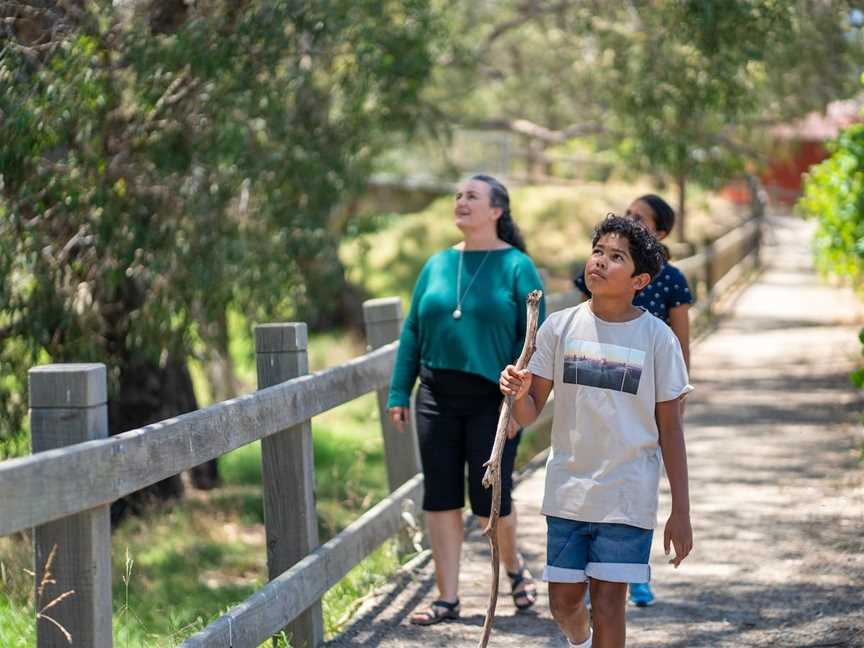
x,y
467,321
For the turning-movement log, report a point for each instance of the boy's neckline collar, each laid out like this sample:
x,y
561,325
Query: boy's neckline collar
x,y
642,314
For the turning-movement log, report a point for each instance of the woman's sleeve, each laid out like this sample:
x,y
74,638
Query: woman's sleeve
x,y
527,279
407,364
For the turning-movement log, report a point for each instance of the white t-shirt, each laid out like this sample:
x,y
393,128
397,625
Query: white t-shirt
x,y
605,460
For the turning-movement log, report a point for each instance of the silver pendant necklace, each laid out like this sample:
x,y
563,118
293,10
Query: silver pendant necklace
x,y
460,297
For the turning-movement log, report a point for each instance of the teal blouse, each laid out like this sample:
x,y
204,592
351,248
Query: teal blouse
x,y
491,331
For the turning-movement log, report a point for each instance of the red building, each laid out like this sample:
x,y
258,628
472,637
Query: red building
x,y
798,146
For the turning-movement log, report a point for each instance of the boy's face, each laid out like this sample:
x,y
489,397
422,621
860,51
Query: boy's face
x,y
610,268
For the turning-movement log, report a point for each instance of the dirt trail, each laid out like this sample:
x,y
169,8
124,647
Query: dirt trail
x,y
777,494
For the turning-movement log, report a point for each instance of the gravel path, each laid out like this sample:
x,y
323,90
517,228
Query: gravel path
x,y
777,494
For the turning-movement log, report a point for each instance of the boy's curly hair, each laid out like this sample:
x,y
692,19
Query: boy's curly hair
x,y
646,250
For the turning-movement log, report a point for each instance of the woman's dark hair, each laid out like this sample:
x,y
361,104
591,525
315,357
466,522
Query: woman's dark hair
x,y
664,215
507,229
645,249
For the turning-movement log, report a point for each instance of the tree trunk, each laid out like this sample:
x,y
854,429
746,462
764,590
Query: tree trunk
x,y
337,302
150,392
219,368
536,161
681,183
223,386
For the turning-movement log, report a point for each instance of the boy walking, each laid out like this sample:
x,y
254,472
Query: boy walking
x,y
618,373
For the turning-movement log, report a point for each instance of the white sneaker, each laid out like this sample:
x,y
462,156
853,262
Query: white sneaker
x,y
584,644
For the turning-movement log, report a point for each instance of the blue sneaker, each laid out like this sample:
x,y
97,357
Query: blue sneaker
x,y
641,594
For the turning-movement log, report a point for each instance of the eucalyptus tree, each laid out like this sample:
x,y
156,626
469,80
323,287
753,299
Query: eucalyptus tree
x,y
162,161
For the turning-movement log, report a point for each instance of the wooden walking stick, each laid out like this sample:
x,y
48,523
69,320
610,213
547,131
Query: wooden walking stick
x,y
493,466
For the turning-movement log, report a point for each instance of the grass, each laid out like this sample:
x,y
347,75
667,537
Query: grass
x,y
17,625
349,465
179,568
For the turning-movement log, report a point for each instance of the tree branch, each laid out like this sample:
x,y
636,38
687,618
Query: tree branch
x,y
527,11
535,131
176,90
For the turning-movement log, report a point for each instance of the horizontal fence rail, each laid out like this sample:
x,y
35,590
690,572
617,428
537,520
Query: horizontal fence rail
x,y
265,612
720,263
56,483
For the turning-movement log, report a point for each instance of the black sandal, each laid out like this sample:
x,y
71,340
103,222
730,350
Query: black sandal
x,y
436,612
527,596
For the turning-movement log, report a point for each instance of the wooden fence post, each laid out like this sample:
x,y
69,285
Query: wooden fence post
x,y
383,319
758,199
708,252
288,471
759,224
68,405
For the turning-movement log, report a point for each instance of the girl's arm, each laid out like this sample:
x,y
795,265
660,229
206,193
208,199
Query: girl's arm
x,y
679,321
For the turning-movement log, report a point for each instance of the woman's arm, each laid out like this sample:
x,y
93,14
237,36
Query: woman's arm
x,y
679,321
407,364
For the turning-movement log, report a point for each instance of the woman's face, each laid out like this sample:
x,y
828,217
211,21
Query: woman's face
x,y
473,209
641,211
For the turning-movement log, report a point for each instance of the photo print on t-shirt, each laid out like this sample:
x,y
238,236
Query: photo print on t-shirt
x,y
605,366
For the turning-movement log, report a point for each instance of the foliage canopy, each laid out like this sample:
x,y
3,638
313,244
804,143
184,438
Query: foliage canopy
x,y
682,90
155,172
834,196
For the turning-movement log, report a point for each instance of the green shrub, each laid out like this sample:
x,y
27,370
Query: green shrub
x,y
834,196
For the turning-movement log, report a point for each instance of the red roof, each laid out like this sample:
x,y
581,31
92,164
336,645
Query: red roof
x,y
819,127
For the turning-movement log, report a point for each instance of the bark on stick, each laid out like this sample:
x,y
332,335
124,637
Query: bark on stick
x,y
493,466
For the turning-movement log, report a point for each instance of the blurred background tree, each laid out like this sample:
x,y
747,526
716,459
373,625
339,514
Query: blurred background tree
x,y
834,196
682,91
164,161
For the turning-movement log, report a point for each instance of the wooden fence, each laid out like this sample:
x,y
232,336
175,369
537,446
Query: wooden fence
x,y
64,489
721,263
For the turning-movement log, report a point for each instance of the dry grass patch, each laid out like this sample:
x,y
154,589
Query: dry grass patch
x,y
557,222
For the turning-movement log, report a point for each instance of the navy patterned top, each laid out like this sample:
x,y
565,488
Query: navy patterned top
x,y
666,291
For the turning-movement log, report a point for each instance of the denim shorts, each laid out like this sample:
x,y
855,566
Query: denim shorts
x,y
577,551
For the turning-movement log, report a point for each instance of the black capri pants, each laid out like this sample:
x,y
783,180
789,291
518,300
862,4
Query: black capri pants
x,y
457,415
